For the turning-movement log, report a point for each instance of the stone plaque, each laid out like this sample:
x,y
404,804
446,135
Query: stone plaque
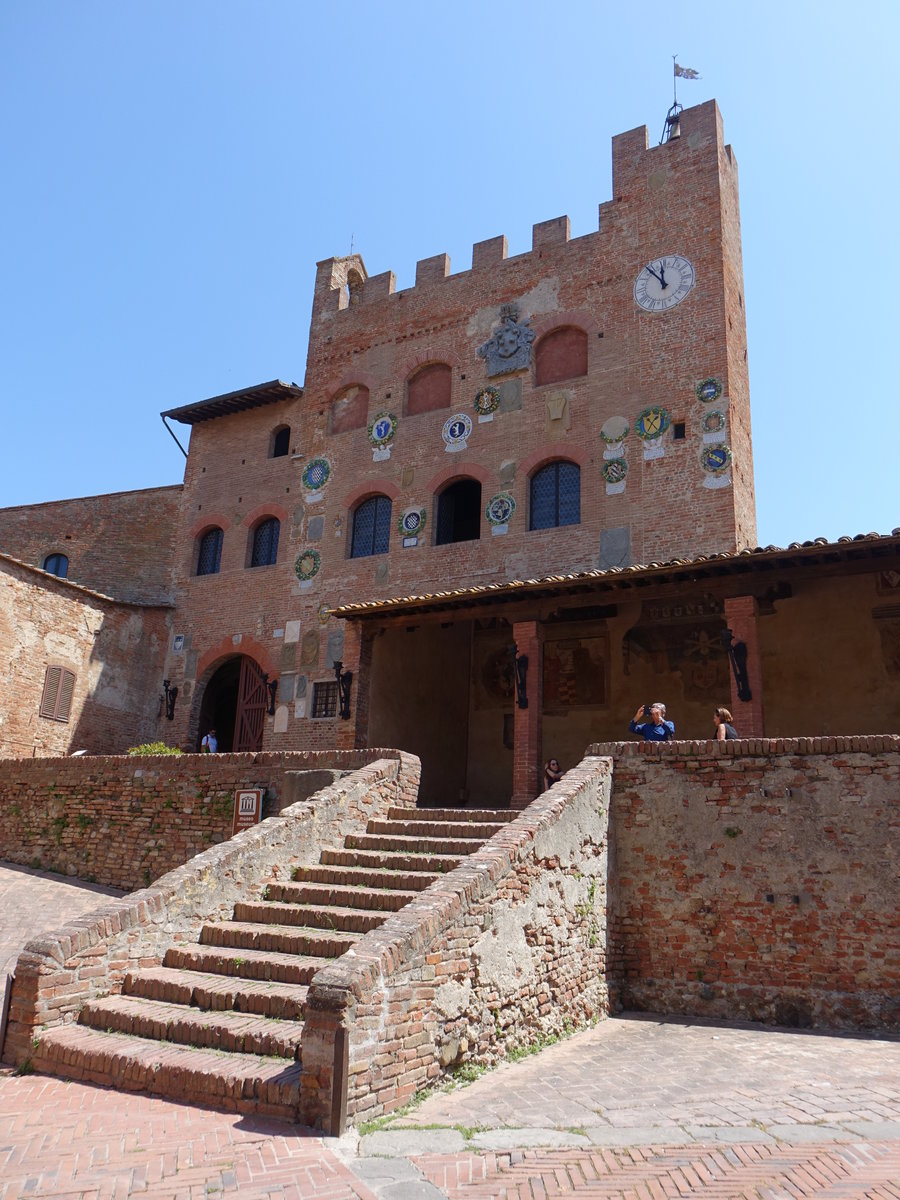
x,y
510,396
315,528
300,685
309,652
286,687
615,548
507,472
288,656
334,646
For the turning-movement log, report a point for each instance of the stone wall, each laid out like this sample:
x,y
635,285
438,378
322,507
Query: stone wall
x,y
126,821
758,879
115,651
57,973
505,952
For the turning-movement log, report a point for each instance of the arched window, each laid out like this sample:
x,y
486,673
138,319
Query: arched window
x,y
429,389
57,564
459,513
556,495
561,354
281,442
209,555
355,283
371,527
265,543
349,409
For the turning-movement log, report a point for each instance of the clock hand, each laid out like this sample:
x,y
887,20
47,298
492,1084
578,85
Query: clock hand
x,y
654,274
662,274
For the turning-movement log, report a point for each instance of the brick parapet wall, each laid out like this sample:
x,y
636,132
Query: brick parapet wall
x,y
124,821
758,879
58,972
508,949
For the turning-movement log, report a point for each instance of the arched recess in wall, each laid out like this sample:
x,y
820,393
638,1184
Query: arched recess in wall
x,y
458,512
280,442
561,354
208,553
429,388
355,283
349,409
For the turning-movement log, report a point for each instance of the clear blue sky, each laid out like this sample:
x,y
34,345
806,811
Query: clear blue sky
x,y
173,171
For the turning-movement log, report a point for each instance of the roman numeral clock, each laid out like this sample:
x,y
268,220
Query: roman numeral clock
x,y
663,283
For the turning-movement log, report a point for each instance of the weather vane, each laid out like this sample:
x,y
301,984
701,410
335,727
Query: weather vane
x,y
672,127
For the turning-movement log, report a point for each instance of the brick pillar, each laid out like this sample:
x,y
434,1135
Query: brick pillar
x,y
529,638
741,614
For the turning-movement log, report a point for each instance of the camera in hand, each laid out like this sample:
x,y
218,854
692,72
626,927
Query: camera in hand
x,y
646,710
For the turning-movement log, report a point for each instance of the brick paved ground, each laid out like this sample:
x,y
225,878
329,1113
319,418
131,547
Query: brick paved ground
x,y
34,901
637,1108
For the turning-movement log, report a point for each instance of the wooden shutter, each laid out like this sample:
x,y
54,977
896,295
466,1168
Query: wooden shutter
x,y
59,688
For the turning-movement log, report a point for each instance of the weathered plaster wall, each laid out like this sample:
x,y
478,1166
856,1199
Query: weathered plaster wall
x,y
58,972
126,821
115,651
509,948
759,879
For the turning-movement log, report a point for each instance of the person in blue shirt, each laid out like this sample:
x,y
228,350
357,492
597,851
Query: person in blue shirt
x,y
651,723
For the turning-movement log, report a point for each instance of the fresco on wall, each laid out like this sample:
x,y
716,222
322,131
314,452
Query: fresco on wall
x,y
575,672
494,682
690,648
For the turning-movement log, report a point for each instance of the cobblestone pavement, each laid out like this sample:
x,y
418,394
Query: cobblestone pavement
x,y
34,901
637,1108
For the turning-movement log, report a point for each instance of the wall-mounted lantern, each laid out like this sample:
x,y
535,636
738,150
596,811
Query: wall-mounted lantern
x,y
737,656
271,686
344,680
171,694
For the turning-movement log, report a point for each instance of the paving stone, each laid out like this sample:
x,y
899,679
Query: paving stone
x,y
397,1143
728,1133
877,1130
799,1135
638,1135
509,1139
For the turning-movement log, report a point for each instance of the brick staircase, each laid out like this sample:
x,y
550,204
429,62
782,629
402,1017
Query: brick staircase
x,y
220,1022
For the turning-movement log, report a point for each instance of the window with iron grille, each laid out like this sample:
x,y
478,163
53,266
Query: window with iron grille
x,y
325,698
371,527
459,513
281,442
210,555
57,564
265,543
56,700
556,496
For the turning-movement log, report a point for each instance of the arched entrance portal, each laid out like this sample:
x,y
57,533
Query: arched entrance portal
x,y
234,703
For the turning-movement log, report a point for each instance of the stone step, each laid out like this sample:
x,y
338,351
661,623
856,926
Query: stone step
x,y
396,844
245,964
359,897
481,830
233,1082
435,864
281,939
213,993
324,916
490,815
376,878
236,1032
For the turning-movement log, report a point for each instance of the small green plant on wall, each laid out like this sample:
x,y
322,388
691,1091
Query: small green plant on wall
x,y
154,748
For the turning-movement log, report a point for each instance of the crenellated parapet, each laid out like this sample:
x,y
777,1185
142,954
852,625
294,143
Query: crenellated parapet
x,y
343,283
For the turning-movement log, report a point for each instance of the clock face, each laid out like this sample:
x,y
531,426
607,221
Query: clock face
x,y
663,283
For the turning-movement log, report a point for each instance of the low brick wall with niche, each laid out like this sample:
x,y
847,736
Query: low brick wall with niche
x,y
57,973
507,950
125,821
758,879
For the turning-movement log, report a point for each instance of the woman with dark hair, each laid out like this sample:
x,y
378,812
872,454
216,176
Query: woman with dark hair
x,y
552,773
725,730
